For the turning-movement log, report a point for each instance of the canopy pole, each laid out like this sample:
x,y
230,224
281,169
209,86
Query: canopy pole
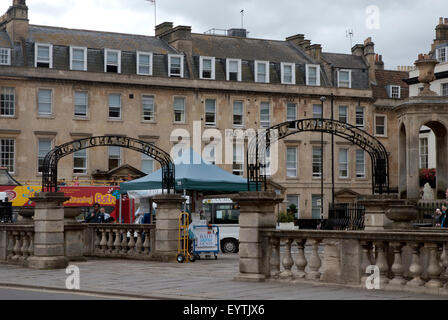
x,y
119,208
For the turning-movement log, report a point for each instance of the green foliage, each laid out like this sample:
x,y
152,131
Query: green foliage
x,y
292,208
285,217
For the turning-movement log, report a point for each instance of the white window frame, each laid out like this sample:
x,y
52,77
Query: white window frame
x,y
308,66
84,49
38,144
150,54
297,198
181,65
295,111
106,52
51,102
239,76
8,60
242,114
441,89
391,92
2,90
423,154
262,122
85,169
318,174
146,96
346,164
210,124
236,161
121,107
50,52
363,117
293,72
266,64
364,164
385,124
296,162
146,157
346,113
439,56
349,78
14,153
201,66
184,113
120,158
87,104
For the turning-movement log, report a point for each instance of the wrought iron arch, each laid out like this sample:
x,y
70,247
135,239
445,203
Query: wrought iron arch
x,y
261,141
50,163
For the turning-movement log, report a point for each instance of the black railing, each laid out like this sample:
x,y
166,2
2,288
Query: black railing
x,y
345,216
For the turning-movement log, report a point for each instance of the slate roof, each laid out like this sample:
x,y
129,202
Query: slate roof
x,y
5,42
390,77
98,39
345,61
247,49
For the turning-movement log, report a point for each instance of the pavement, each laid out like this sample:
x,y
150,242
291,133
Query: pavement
x,y
200,280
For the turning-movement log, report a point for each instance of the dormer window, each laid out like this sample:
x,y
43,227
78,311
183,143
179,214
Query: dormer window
x,y
233,68
394,92
288,73
5,56
144,63
112,61
344,78
312,75
207,68
262,71
78,58
442,54
43,54
176,66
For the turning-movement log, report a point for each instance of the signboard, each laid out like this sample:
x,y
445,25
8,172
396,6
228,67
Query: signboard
x,y
80,196
206,238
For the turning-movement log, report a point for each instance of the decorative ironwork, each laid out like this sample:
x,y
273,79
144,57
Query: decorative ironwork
x,y
257,148
50,163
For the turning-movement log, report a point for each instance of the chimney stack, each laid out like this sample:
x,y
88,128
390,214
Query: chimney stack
x,y
16,21
315,51
296,39
163,28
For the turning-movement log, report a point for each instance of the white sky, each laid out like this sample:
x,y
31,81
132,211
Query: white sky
x,y
406,27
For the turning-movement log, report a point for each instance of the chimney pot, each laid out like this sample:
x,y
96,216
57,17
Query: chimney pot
x,y
441,20
446,21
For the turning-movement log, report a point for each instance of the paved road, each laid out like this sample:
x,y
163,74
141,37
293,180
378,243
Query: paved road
x,y
33,294
211,279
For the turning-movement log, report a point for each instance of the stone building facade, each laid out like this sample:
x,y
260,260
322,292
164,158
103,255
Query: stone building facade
x,y
58,85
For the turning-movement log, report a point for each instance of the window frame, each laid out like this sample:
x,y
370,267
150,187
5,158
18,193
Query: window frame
x,y
269,115
84,49
172,75
445,49
235,159
143,96
318,174
375,124
364,164
86,168
267,65
201,67
120,157
349,78
38,149
293,72
346,163
239,75
288,104
210,124
14,154
441,89
145,157
184,110
297,198
363,117
346,114
150,54
296,170
51,102
50,53
8,52
426,155
106,52
391,92
121,107
308,66
87,104
13,102
242,114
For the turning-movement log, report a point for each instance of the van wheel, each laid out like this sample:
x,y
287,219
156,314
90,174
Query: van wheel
x,y
180,258
229,246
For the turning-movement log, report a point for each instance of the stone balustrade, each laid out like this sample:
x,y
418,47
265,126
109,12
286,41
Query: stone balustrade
x,y
413,261
120,241
16,243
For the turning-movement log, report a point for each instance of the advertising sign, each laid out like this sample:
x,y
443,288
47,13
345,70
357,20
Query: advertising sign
x,y
206,239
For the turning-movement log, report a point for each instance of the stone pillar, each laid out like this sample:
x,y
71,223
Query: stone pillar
x,y
167,226
49,252
257,211
73,235
375,209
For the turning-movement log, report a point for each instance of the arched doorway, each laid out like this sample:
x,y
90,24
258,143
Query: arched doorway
x,y
261,142
50,163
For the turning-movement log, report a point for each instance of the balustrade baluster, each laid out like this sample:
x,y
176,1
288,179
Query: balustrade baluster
x,y
275,257
315,262
31,244
415,269
103,243
124,241
397,266
444,262
110,241
17,246
139,244
10,245
366,259
97,235
146,243
131,243
434,270
24,249
287,261
381,262
117,241
300,259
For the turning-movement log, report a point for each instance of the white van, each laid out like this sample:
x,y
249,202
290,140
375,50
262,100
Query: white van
x,y
225,214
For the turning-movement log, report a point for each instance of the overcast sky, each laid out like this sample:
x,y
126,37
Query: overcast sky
x,y
404,29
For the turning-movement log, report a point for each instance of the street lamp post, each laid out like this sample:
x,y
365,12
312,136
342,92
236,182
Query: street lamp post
x,y
322,100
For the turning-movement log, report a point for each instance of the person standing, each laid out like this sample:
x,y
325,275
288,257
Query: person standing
x,y
93,216
443,218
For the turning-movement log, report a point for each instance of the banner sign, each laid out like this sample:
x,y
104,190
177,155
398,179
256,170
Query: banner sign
x,y
206,239
80,196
